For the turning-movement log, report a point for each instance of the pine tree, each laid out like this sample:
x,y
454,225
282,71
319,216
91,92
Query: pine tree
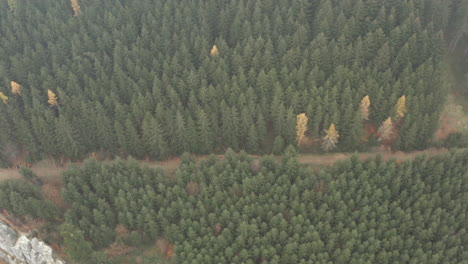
x,y
133,143
204,132
301,127
278,145
180,134
234,129
104,130
330,139
68,138
356,133
262,130
289,131
77,247
252,140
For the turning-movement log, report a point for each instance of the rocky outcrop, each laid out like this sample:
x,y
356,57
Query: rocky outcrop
x,y
18,249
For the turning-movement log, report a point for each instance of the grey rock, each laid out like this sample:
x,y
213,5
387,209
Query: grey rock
x,y
22,250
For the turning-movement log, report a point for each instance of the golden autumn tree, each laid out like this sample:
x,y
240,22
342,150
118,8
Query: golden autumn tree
x,y
301,127
400,108
330,139
75,6
15,88
364,106
214,51
4,98
12,4
52,98
386,130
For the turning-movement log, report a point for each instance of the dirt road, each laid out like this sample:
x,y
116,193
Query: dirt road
x,y
51,174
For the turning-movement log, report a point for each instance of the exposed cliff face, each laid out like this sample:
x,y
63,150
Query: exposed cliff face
x,y
18,249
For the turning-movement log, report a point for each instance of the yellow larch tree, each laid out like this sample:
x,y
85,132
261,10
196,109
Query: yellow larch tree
x,y
301,127
214,51
52,98
15,88
400,108
386,130
364,106
331,138
75,6
12,4
4,98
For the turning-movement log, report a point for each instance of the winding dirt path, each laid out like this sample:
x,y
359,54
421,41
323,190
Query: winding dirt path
x,y
51,174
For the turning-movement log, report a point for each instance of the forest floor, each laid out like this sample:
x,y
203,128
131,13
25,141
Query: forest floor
x,y
51,174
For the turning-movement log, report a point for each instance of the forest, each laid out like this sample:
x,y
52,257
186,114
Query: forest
x,y
235,92
153,78
244,210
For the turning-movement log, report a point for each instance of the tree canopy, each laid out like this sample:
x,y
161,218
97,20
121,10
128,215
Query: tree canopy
x,y
214,74
239,210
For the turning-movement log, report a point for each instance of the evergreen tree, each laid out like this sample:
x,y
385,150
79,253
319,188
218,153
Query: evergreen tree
x,y
180,134
68,138
77,247
278,145
204,132
252,140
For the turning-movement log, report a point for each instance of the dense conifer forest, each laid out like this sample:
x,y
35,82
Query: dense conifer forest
x,y
156,78
242,210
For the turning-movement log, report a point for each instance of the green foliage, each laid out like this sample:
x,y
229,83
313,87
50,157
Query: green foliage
x,y
456,140
278,145
77,247
25,199
103,196
30,176
27,173
352,212
146,85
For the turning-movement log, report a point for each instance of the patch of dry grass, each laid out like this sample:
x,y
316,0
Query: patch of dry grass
x,y
52,192
50,174
452,120
9,174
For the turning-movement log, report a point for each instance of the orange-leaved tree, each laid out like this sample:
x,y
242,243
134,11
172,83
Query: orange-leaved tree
x,y
15,88
75,6
4,98
301,127
52,98
364,106
214,51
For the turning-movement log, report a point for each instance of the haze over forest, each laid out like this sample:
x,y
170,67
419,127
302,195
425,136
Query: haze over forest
x,y
150,80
